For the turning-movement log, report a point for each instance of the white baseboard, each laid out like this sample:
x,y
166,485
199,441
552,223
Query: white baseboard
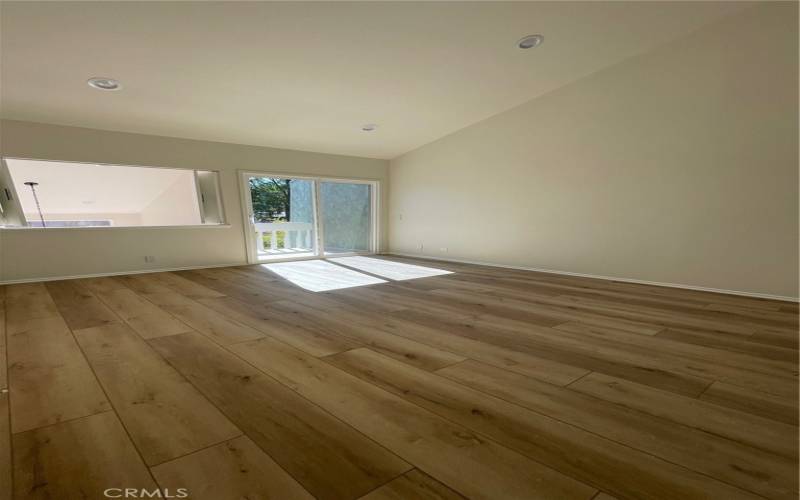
x,y
610,278
120,273
430,257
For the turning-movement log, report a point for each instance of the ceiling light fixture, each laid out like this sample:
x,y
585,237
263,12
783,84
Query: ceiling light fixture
x,y
369,127
530,41
102,83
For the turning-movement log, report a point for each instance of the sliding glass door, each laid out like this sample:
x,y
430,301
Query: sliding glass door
x,y
346,214
302,217
282,217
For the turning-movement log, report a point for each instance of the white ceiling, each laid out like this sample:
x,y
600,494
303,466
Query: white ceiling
x,y
307,75
82,188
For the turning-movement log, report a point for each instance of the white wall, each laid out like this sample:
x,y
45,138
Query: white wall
x,y
43,253
677,166
177,205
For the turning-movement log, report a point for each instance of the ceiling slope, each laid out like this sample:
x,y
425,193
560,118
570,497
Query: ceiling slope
x,y
308,75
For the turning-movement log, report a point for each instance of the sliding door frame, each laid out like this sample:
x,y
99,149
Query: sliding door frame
x,y
246,203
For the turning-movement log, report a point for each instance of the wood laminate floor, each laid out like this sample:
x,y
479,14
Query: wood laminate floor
x,y
235,383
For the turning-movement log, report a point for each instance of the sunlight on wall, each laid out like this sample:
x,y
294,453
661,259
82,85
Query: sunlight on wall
x,y
389,269
320,276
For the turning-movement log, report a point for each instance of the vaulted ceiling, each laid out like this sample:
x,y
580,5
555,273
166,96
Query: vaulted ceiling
x,y
308,75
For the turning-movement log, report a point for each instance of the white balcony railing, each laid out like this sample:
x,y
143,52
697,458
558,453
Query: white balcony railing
x,y
297,236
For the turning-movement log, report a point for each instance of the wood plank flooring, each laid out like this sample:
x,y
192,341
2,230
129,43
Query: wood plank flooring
x,y
232,383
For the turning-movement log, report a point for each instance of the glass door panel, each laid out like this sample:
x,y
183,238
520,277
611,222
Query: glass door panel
x,y
346,216
283,217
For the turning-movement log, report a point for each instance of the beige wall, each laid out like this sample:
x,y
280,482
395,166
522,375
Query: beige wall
x,y
42,253
678,166
177,205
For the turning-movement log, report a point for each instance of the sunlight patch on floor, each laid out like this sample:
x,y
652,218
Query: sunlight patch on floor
x,y
283,253
320,276
388,269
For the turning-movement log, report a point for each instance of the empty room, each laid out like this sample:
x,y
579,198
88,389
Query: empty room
x,y
399,250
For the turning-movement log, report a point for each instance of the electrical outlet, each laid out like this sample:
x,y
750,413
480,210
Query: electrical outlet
x,y
420,246
150,258
443,249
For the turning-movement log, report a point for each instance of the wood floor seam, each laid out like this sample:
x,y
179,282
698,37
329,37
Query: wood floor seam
x,y
308,400
155,353
235,354
594,433
534,383
578,379
116,414
195,451
644,452
225,347
198,451
62,422
706,389
591,432
387,482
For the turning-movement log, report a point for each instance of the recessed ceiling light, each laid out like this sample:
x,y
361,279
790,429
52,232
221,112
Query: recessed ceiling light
x,y
102,83
530,41
369,127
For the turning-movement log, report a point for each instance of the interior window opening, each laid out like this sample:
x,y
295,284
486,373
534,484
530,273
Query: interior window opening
x,y
53,194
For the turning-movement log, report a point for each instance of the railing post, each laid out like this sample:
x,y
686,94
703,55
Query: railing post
x,y
297,236
260,240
